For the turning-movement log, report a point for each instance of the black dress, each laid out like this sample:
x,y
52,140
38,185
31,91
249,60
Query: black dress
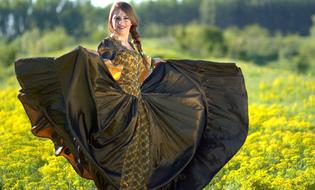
x,y
196,113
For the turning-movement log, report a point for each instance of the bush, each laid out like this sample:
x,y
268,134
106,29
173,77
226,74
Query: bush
x,y
28,41
251,43
312,29
200,39
54,40
290,47
155,30
35,42
298,54
97,35
8,54
304,62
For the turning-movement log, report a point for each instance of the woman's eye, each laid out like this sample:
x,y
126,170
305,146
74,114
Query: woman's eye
x,y
117,19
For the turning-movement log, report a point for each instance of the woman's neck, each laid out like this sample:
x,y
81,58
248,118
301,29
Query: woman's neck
x,y
121,38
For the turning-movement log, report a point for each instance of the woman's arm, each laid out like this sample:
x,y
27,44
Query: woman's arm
x,y
150,64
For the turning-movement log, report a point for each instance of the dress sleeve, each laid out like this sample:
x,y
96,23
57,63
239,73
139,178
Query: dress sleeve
x,y
108,51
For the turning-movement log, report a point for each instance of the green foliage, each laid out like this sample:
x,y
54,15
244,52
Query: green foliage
x,y
306,55
297,53
290,46
76,17
251,43
155,47
200,39
79,18
153,30
98,34
312,29
168,12
55,39
8,54
287,16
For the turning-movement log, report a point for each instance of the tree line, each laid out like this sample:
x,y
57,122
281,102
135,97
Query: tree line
x,y
79,18
277,33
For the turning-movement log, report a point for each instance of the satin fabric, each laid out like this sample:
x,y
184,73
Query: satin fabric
x,y
197,111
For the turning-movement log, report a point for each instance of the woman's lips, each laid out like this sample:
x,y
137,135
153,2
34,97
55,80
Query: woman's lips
x,y
121,27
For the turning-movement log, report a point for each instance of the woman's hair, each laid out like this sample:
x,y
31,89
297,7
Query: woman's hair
x,y
127,8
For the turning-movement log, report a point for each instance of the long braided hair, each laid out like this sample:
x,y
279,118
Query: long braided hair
x,y
127,8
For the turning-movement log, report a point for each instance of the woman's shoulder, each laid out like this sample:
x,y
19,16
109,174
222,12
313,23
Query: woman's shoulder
x,y
107,48
107,42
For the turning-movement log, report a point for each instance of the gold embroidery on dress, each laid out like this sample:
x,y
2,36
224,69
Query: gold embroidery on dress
x,y
137,160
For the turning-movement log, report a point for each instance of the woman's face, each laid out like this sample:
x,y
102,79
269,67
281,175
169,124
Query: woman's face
x,y
121,22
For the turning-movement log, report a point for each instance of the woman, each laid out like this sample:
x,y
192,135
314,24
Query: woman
x,y
173,129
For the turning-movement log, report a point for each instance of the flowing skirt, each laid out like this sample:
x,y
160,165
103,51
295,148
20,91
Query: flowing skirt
x,y
196,113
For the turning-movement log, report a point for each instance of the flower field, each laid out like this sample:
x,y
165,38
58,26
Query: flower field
x,y
279,152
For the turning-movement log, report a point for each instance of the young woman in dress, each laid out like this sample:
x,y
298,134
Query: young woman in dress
x,y
127,129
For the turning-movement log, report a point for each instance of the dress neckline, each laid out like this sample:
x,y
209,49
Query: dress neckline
x,y
133,50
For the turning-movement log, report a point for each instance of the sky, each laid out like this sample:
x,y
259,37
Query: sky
x,y
104,3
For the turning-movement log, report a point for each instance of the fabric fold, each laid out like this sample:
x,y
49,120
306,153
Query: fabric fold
x,y
197,113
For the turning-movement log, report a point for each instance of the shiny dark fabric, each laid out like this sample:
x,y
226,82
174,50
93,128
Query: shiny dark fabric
x,y
197,111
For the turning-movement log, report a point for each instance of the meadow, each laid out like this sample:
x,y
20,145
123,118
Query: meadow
x,y
279,152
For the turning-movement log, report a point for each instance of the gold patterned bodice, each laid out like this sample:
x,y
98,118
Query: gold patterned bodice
x,y
126,66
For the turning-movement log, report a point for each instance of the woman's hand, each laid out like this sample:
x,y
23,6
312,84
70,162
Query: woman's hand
x,y
157,61
115,70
